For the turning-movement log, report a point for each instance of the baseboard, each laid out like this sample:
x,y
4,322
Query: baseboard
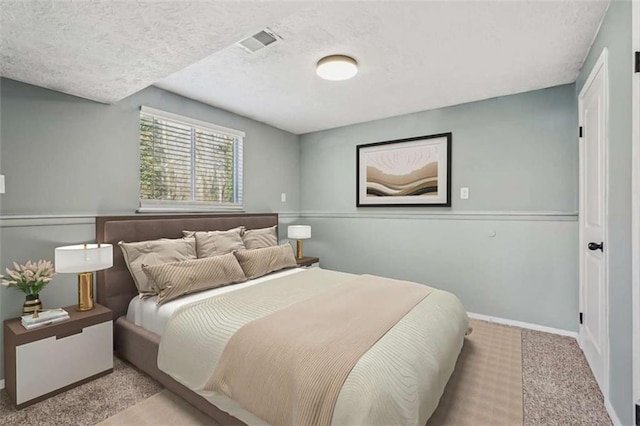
x,y
612,413
521,324
1,384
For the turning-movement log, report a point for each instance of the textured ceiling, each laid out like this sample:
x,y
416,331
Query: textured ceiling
x,y
413,55
106,50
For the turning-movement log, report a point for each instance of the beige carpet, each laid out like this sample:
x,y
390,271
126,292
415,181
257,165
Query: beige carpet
x,y
86,404
164,408
557,387
486,386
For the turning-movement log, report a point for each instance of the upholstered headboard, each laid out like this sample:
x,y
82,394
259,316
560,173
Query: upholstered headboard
x,y
115,285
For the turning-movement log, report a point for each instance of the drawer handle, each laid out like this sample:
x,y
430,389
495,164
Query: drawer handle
x,y
68,334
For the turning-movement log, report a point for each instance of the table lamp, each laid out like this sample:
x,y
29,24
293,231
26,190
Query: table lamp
x,y
84,259
299,233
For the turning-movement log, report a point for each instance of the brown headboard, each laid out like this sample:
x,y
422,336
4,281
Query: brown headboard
x,y
115,285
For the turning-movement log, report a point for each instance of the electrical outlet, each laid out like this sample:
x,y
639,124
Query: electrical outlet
x,y
283,197
464,193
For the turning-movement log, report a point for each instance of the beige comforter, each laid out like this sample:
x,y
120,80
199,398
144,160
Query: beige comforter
x,y
288,367
399,380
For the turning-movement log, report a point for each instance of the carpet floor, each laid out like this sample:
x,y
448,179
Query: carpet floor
x,y
87,404
164,408
486,385
541,379
558,386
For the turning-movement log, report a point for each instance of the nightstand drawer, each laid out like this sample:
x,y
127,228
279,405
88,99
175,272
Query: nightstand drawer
x,y
49,364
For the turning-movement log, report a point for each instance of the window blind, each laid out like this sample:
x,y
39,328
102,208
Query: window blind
x,y
188,164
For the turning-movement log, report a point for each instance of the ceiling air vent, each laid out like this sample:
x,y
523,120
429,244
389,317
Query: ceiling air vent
x,y
258,41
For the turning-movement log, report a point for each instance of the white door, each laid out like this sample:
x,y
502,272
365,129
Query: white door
x,y
635,209
593,112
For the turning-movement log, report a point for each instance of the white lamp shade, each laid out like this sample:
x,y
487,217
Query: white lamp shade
x,y
1,184
299,232
83,258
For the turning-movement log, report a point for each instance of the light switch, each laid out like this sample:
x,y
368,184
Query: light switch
x,y
464,193
283,197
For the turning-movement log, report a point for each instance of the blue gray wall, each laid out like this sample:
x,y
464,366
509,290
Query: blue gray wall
x,y
85,154
508,251
615,35
67,159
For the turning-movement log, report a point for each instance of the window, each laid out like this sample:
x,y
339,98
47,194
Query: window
x,y
188,165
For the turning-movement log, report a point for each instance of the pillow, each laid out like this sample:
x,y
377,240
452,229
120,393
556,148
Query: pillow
x,y
260,238
152,253
179,278
259,262
217,243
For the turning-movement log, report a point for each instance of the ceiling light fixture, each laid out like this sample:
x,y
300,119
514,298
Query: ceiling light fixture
x,y
337,67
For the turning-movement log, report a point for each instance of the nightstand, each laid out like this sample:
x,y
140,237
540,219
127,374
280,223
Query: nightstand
x,y
308,262
51,359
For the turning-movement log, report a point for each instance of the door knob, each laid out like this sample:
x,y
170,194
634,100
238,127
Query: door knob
x,y
595,246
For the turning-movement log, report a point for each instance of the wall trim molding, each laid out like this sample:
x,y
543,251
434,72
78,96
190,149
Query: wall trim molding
x,y
529,326
289,215
612,413
551,216
45,220
17,221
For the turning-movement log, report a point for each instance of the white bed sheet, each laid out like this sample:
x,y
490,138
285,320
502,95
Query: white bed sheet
x,y
147,314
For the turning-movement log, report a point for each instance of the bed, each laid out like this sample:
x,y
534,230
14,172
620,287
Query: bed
x,y
412,361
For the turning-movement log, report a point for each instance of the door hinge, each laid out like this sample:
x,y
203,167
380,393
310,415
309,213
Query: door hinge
x,y
637,62
637,415
580,131
580,317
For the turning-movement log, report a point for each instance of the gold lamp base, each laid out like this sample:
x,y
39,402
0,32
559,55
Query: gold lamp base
x,y
85,291
299,249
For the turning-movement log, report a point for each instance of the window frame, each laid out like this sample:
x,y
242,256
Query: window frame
x,y
159,206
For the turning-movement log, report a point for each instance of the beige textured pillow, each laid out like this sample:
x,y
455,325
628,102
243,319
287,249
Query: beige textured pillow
x,y
260,238
154,252
180,278
259,262
217,243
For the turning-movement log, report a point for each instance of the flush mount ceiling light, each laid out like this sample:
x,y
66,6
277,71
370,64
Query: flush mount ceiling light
x,y
337,67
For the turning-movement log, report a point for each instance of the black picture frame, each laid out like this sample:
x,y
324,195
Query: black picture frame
x,y
421,198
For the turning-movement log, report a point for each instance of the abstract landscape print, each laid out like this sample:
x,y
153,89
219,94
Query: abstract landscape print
x,y
405,172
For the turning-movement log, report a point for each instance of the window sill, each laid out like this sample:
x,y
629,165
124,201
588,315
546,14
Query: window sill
x,y
188,208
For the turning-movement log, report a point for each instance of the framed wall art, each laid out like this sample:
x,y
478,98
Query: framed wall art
x,y
405,172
